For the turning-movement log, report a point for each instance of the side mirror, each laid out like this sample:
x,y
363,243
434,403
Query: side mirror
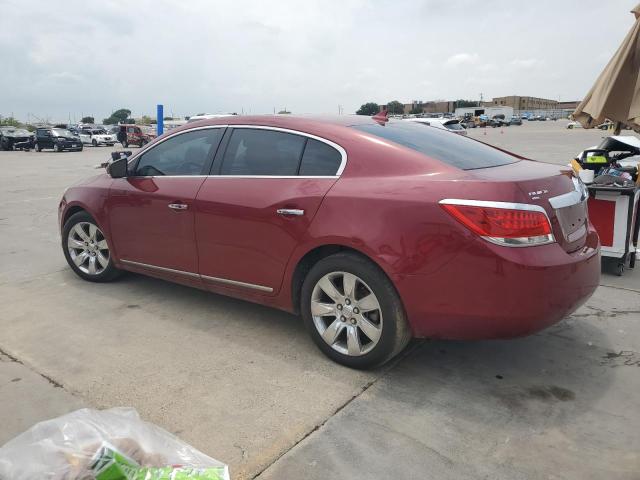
x,y
118,168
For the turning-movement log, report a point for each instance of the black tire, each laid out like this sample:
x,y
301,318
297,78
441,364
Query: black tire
x,y
395,333
109,273
57,149
124,144
94,142
37,147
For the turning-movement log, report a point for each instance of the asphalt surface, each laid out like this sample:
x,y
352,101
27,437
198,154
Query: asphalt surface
x,y
245,384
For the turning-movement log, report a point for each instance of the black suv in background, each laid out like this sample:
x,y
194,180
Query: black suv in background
x,y
59,139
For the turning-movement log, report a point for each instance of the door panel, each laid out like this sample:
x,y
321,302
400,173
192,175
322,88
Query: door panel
x,y
145,229
240,235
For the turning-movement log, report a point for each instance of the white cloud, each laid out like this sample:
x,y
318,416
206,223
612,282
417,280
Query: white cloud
x,y
461,59
527,63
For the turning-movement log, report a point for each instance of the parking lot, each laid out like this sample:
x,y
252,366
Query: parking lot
x,y
245,384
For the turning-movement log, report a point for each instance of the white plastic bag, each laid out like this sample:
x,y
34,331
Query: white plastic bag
x,y
66,448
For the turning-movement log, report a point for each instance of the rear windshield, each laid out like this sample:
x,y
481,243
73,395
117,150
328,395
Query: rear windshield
x,y
455,150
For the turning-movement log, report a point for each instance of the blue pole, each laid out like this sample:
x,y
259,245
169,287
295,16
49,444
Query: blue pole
x,y
160,119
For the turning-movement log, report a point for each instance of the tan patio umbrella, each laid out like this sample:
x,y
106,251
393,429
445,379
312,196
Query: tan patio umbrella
x,y
616,93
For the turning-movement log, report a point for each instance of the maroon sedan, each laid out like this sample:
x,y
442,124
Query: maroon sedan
x,y
374,231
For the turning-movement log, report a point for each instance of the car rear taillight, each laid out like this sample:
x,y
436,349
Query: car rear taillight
x,y
502,223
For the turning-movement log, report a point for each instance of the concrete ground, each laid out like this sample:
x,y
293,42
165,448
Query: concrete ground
x,y
245,384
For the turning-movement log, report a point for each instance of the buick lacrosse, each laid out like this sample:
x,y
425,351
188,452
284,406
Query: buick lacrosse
x,y
373,230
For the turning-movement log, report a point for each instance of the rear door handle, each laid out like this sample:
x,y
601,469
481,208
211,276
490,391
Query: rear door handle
x,y
290,211
178,206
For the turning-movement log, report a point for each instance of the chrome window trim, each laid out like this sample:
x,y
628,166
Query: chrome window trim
x,y
341,151
518,241
225,281
137,154
273,176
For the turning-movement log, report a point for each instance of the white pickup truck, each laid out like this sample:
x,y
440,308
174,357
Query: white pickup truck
x,y
96,137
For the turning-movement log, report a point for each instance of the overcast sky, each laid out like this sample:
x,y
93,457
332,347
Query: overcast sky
x,y
74,57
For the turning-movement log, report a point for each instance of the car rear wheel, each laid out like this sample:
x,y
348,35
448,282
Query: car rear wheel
x,y
57,148
125,144
353,312
94,143
87,250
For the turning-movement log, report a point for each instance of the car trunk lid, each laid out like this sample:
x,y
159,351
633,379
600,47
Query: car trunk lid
x,y
551,187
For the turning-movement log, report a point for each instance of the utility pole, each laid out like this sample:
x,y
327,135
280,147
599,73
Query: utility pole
x,y
480,103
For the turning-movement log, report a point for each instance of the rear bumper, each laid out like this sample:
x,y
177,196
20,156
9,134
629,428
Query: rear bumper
x,y
488,291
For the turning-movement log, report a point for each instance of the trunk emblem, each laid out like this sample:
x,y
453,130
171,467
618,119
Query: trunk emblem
x,y
536,195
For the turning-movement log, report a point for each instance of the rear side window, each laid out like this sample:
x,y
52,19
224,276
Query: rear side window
x,y
262,152
320,159
455,150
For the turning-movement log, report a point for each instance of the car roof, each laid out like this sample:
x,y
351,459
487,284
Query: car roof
x,y
322,125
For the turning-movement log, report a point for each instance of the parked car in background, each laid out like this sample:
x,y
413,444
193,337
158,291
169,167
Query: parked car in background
x,y
541,118
532,118
606,125
498,121
133,135
373,230
573,124
57,139
96,137
450,124
14,138
516,121
208,116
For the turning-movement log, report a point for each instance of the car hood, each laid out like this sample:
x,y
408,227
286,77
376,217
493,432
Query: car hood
x,y
17,134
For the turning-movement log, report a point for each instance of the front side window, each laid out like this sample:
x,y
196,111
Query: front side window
x,y
262,152
183,154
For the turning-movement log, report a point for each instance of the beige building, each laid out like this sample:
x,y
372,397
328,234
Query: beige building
x,y
437,106
518,102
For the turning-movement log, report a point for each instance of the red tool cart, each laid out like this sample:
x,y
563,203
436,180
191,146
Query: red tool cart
x,y
614,213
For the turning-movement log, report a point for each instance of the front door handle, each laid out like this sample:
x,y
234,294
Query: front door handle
x,y
290,211
178,206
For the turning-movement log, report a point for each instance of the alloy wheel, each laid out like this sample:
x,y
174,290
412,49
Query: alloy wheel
x,y
88,248
346,313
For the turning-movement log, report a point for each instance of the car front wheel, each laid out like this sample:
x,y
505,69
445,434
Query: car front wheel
x,y
86,249
353,311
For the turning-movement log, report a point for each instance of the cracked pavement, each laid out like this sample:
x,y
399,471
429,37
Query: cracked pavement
x,y
244,384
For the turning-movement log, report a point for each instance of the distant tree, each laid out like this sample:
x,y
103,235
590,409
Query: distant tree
x,y
9,122
88,120
119,116
144,120
395,107
168,118
416,109
284,112
370,108
466,103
